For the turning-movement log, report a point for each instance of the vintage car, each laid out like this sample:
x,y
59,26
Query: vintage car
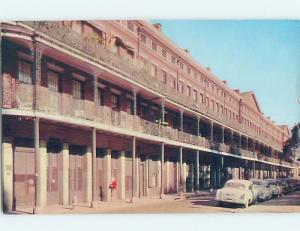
x,y
264,190
286,185
237,192
276,188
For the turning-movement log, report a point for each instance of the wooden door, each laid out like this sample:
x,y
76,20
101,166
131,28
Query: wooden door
x,y
114,175
24,174
78,173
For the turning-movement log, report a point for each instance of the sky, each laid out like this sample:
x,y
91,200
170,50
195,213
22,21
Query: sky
x,y
252,55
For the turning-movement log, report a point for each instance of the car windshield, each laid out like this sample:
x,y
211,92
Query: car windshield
x,y
234,185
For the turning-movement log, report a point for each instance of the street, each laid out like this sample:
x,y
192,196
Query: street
x,y
172,204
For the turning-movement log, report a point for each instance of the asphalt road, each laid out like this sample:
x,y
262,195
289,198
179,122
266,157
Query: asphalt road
x,y
207,204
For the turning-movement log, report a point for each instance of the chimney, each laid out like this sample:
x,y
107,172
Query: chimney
x,y
187,51
157,26
208,68
224,81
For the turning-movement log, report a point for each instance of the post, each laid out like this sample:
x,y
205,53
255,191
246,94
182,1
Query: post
x,y
197,171
134,103
37,163
247,143
95,89
231,137
198,126
181,120
107,175
66,163
162,159
7,174
211,131
94,166
181,172
89,176
162,111
121,175
133,183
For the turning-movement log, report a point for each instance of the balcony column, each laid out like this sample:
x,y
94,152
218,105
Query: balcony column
x,y
162,111
94,166
134,103
198,126
95,89
162,160
231,141
36,72
180,172
211,131
40,168
253,169
220,165
197,172
7,174
247,148
181,120
222,135
253,145
133,170
240,141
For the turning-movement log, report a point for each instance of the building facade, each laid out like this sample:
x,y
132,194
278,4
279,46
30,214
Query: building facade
x,y
114,110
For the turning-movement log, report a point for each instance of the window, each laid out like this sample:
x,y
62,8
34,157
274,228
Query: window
x,y
154,46
195,95
25,71
143,38
173,82
188,91
77,89
201,98
53,81
129,106
189,71
173,59
115,102
164,53
130,26
181,65
195,75
164,77
153,70
100,97
180,86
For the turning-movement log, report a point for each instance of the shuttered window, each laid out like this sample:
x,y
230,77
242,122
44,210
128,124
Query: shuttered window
x,y
25,71
77,89
53,81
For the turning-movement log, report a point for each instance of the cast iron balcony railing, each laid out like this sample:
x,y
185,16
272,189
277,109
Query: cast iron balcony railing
x,y
136,70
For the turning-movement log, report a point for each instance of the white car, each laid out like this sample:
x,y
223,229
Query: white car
x,y
237,192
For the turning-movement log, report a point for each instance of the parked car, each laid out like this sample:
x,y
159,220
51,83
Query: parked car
x,y
264,190
297,183
287,187
237,192
276,188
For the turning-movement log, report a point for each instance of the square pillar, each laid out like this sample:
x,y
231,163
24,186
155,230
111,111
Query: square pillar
x,y
66,163
198,126
162,160
184,176
7,174
89,176
180,171
197,171
167,176
94,165
133,170
222,135
181,120
107,175
43,173
121,175
211,131
162,111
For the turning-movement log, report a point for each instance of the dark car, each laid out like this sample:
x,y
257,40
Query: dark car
x,y
287,185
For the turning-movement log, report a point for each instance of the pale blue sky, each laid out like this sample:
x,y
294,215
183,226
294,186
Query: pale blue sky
x,y
258,55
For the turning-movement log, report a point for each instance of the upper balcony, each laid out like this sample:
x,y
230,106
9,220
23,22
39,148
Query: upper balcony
x,y
133,69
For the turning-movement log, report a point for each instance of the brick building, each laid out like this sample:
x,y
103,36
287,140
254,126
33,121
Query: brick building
x,y
89,103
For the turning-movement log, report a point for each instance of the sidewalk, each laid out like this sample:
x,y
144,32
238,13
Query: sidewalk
x,y
115,206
